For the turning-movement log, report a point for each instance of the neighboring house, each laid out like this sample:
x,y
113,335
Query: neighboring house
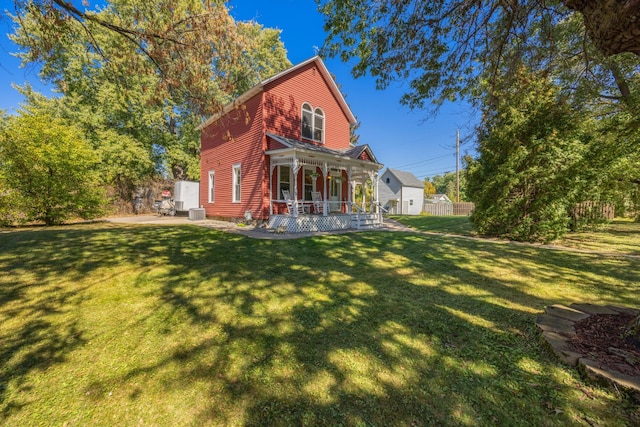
x,y
287,136
437,198
401,192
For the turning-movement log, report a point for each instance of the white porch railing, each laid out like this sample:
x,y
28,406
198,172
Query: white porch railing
x,y
309,223
356,218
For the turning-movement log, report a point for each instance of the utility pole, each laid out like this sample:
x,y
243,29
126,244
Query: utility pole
x,y
457,165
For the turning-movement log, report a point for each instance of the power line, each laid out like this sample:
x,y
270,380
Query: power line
x,y
432,173
421,161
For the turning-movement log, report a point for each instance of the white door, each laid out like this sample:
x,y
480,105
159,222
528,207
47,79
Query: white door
x,y
335,191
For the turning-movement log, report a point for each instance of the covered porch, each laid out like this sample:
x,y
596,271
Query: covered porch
x,y
312,188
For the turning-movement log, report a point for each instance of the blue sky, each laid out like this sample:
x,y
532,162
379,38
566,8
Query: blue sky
x,y
400,138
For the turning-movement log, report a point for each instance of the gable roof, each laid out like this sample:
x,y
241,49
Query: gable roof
x,y
352,152
357,151
407,179
260,87
438,197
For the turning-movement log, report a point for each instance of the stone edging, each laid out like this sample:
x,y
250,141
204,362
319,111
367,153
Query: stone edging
x,y
557,326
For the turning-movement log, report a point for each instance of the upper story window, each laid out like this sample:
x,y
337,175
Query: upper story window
x,y
312,123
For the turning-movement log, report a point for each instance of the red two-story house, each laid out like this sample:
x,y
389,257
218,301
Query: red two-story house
x,y
281,152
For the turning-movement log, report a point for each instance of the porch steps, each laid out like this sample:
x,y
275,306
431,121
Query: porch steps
x,y
364,221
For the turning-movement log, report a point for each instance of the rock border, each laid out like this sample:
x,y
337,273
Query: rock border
x,y
557,326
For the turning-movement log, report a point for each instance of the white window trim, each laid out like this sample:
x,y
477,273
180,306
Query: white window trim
x,y
212,187
313,110
315,115
236,173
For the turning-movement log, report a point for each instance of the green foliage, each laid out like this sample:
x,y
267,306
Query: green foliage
x,y
446,184
440,47
445,49
452,49
138,76
617,156
47,170
529,173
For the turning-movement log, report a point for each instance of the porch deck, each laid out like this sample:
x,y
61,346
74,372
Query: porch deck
x,y
330,222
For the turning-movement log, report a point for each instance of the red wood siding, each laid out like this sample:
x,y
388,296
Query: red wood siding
x,y
239,138
235,138
365,156
283,106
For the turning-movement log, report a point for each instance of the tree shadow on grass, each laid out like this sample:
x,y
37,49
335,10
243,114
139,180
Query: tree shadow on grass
x,y
365,328
30,343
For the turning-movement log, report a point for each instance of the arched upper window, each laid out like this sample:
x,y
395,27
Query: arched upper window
x,y
312,123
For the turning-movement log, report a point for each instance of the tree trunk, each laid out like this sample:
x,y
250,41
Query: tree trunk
x,y
613,25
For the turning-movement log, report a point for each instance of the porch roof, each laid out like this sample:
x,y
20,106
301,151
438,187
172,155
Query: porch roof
x,y
313,150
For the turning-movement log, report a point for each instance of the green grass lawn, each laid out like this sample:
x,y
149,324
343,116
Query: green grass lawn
x,y
437,224
620,236
109,324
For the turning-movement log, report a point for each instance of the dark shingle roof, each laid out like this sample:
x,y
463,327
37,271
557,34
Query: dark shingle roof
x,y
352,152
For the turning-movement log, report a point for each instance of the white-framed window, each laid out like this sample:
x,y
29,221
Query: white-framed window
x,y
307,121
284,180
312,123
237,182
212,186
318,125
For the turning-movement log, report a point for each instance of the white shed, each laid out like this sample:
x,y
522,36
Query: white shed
x,y
401,192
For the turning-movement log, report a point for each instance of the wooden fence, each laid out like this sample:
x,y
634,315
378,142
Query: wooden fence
x,y
463,208
448,209
589,211
593,211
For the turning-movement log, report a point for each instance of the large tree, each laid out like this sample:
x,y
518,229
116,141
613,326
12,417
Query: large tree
x,y
612,25
138,76
529,173
47,169
445,48
174,41
452,49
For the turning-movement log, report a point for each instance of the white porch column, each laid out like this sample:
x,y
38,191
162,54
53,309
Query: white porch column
x,y
373,177
364,195
325,205
375,182
295,167
271,169
350,189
